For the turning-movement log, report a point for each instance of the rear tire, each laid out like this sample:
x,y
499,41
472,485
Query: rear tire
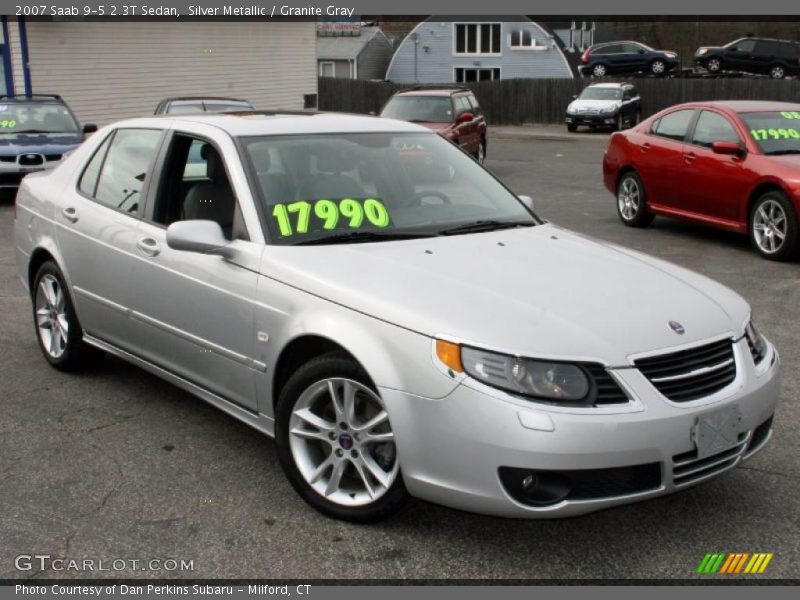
x,y
773,227
632,201
480,155
777,72
327,451
58,330
599,70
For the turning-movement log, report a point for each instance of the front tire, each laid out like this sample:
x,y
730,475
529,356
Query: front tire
x,y
773,227
713,65
335,441
658,67
58,331
632,201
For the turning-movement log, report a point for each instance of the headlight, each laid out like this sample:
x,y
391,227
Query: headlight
x,y
571,110
540,379
702,51
610,109
756,341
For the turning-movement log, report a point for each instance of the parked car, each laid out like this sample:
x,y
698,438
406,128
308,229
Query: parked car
x,y
454,113
35,134
615,105
363,290
730,165
199,104
610,58
776,58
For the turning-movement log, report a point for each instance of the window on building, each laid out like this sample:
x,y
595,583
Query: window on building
x,y
477,38
463,75
327,69
522,38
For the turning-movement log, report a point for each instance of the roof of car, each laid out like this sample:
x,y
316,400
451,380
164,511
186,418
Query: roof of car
x,y
202,98
41,98
432,91
611,85
745,106
254,123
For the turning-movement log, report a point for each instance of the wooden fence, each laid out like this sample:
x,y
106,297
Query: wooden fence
x,y
516,101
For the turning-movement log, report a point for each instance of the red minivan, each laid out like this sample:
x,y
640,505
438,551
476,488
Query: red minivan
x,y
734,165
453,112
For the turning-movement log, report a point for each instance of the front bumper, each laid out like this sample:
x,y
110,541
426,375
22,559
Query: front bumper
x,y
452,450
591,120
11,174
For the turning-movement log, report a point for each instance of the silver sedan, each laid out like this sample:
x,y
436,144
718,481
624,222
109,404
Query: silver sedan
x,y
395,317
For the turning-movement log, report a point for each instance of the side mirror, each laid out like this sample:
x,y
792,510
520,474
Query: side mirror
x,y
527,201
372,112
89,128
465,117
205,237
641,51
727,148
574,96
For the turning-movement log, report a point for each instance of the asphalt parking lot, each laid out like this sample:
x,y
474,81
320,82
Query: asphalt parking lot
x,y
116,464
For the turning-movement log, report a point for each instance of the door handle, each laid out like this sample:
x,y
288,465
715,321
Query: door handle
x,y
148,246
645,147
70,214
689,157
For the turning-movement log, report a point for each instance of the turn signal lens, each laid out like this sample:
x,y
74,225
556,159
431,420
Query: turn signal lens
x,y
450,354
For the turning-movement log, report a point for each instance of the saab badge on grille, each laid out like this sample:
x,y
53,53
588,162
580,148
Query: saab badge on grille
x,y
677,327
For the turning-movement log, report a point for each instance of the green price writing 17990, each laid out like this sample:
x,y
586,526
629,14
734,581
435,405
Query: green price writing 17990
x,y
329,213
775,134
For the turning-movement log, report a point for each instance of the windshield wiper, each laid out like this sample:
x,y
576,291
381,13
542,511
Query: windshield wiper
x,y
366,236
485,225
777,152
33,131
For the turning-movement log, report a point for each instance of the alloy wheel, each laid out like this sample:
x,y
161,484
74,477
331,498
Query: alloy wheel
x,y
658,67
51,316
481,152
342,443
713,65
599,70
777,72
628,198
770,226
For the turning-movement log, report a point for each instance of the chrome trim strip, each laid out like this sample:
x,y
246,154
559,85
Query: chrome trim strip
x,y
694,373
185,335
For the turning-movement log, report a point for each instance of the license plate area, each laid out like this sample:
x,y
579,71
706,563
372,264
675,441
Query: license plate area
x,y
717,431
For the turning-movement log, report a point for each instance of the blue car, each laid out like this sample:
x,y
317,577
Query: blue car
x,y
616,58
35,134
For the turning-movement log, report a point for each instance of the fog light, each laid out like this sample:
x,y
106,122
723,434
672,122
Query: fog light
x,y
545,488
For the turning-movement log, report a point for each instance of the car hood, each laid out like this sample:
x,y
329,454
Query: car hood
x,y
580,105
39,143
540,291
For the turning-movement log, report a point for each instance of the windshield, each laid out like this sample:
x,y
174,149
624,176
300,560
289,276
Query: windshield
x,y
775,132
36,117
600,93
215,106
392,184
423,109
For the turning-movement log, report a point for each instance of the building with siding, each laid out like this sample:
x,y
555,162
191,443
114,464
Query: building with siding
x,y
351,51
444,49
109,70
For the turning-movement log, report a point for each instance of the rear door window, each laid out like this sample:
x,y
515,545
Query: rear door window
x,y
611,49
766,48
126,168
674,125
473,101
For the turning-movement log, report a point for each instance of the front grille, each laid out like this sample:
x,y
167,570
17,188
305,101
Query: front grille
x,y
608,392
8,159
30,160
52,157
691,374
552,487
687,468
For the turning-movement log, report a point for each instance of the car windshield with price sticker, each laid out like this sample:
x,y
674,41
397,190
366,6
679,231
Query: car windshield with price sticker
x,y
775,132
374,187
36,118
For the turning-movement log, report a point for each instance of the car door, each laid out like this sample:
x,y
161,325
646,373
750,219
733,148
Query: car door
x,y
659,158
764,55
468,138
198,309
613,56
737,57
97,228
636,57
715,185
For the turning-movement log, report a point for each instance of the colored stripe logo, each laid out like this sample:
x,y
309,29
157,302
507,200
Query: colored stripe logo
x,y
734,562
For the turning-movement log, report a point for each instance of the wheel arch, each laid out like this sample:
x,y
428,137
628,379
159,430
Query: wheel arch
x,y
759,190
39,256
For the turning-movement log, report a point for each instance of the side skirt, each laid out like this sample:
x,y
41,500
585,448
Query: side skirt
x,y
256,420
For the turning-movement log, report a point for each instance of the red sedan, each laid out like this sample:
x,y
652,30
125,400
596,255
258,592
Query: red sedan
x,y
733,165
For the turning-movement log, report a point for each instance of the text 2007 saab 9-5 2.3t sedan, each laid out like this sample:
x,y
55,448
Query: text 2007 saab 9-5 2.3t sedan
x,y
402,324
